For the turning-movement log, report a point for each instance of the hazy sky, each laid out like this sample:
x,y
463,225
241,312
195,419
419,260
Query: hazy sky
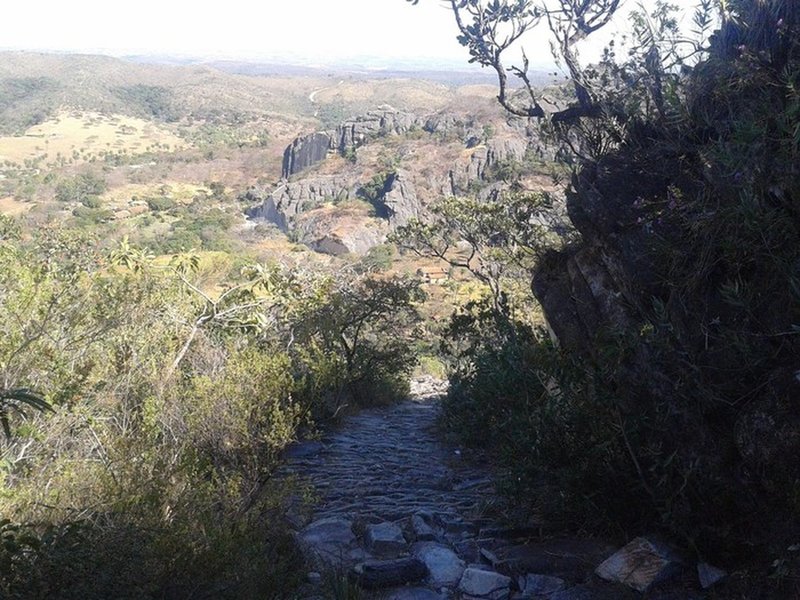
x,y
321,29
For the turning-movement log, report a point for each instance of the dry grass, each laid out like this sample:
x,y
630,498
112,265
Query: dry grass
x,y
78,136
11,207
182,193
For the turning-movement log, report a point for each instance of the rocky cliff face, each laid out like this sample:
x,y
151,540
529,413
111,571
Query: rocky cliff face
x,y
383,121
399,202
483,159
296,203
291,199
305,152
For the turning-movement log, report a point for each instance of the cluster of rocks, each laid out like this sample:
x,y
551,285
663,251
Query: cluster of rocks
x,y
403,514
399,201
308,150
293,205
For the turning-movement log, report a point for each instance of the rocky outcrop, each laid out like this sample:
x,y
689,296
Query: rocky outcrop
x,y
399,202
384,121
304,152
339,232
291,199
483,159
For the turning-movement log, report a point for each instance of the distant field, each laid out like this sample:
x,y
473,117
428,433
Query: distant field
x,y
183,193
78,136
11,207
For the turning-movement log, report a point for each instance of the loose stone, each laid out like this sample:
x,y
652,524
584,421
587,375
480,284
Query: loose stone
x,y
640,564
384,539
376,574
444,566
485,584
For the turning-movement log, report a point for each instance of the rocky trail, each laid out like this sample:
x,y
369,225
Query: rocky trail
x,y
403,516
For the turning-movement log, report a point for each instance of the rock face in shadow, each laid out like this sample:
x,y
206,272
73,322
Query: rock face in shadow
x,y
677,299
385,120
305,152
484,159
291,199
399,202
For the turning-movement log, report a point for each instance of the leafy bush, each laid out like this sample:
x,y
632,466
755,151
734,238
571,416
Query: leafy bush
x,y
678,310
160,204
81,188
154,475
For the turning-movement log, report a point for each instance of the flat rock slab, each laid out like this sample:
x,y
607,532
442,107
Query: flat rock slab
x,y
384,539
330,540
421,529
485,584
640,565
537,586
709,575
377,574
569,558
304,449
411,593
444,566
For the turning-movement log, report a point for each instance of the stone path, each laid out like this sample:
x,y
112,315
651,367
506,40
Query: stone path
x,y
404,517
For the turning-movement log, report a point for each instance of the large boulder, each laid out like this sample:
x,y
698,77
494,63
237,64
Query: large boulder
x,y
399,202
290,199
328,542
385,120
640,565
485,584
445,568
304,152
384,539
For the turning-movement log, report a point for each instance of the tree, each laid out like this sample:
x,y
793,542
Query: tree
x,y
613,91
367,321
496,241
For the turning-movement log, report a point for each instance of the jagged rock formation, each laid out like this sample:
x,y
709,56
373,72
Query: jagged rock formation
x,y
483,159
304,152
291,199
399,200
383,121
296,205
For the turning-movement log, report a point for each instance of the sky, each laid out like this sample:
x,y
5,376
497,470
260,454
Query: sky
x,y
325,31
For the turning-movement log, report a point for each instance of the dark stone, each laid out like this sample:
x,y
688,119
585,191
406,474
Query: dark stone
x,y
709,575
640,565
384,539
534,586
304,152
303,449
377,574
485,584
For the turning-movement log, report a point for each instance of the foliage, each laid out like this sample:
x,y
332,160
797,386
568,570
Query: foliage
x,y
496,241
154,474
25,102
668,405
148,100
366,322
81,188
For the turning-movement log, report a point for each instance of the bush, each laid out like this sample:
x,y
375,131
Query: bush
x,y
80,188
161,204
